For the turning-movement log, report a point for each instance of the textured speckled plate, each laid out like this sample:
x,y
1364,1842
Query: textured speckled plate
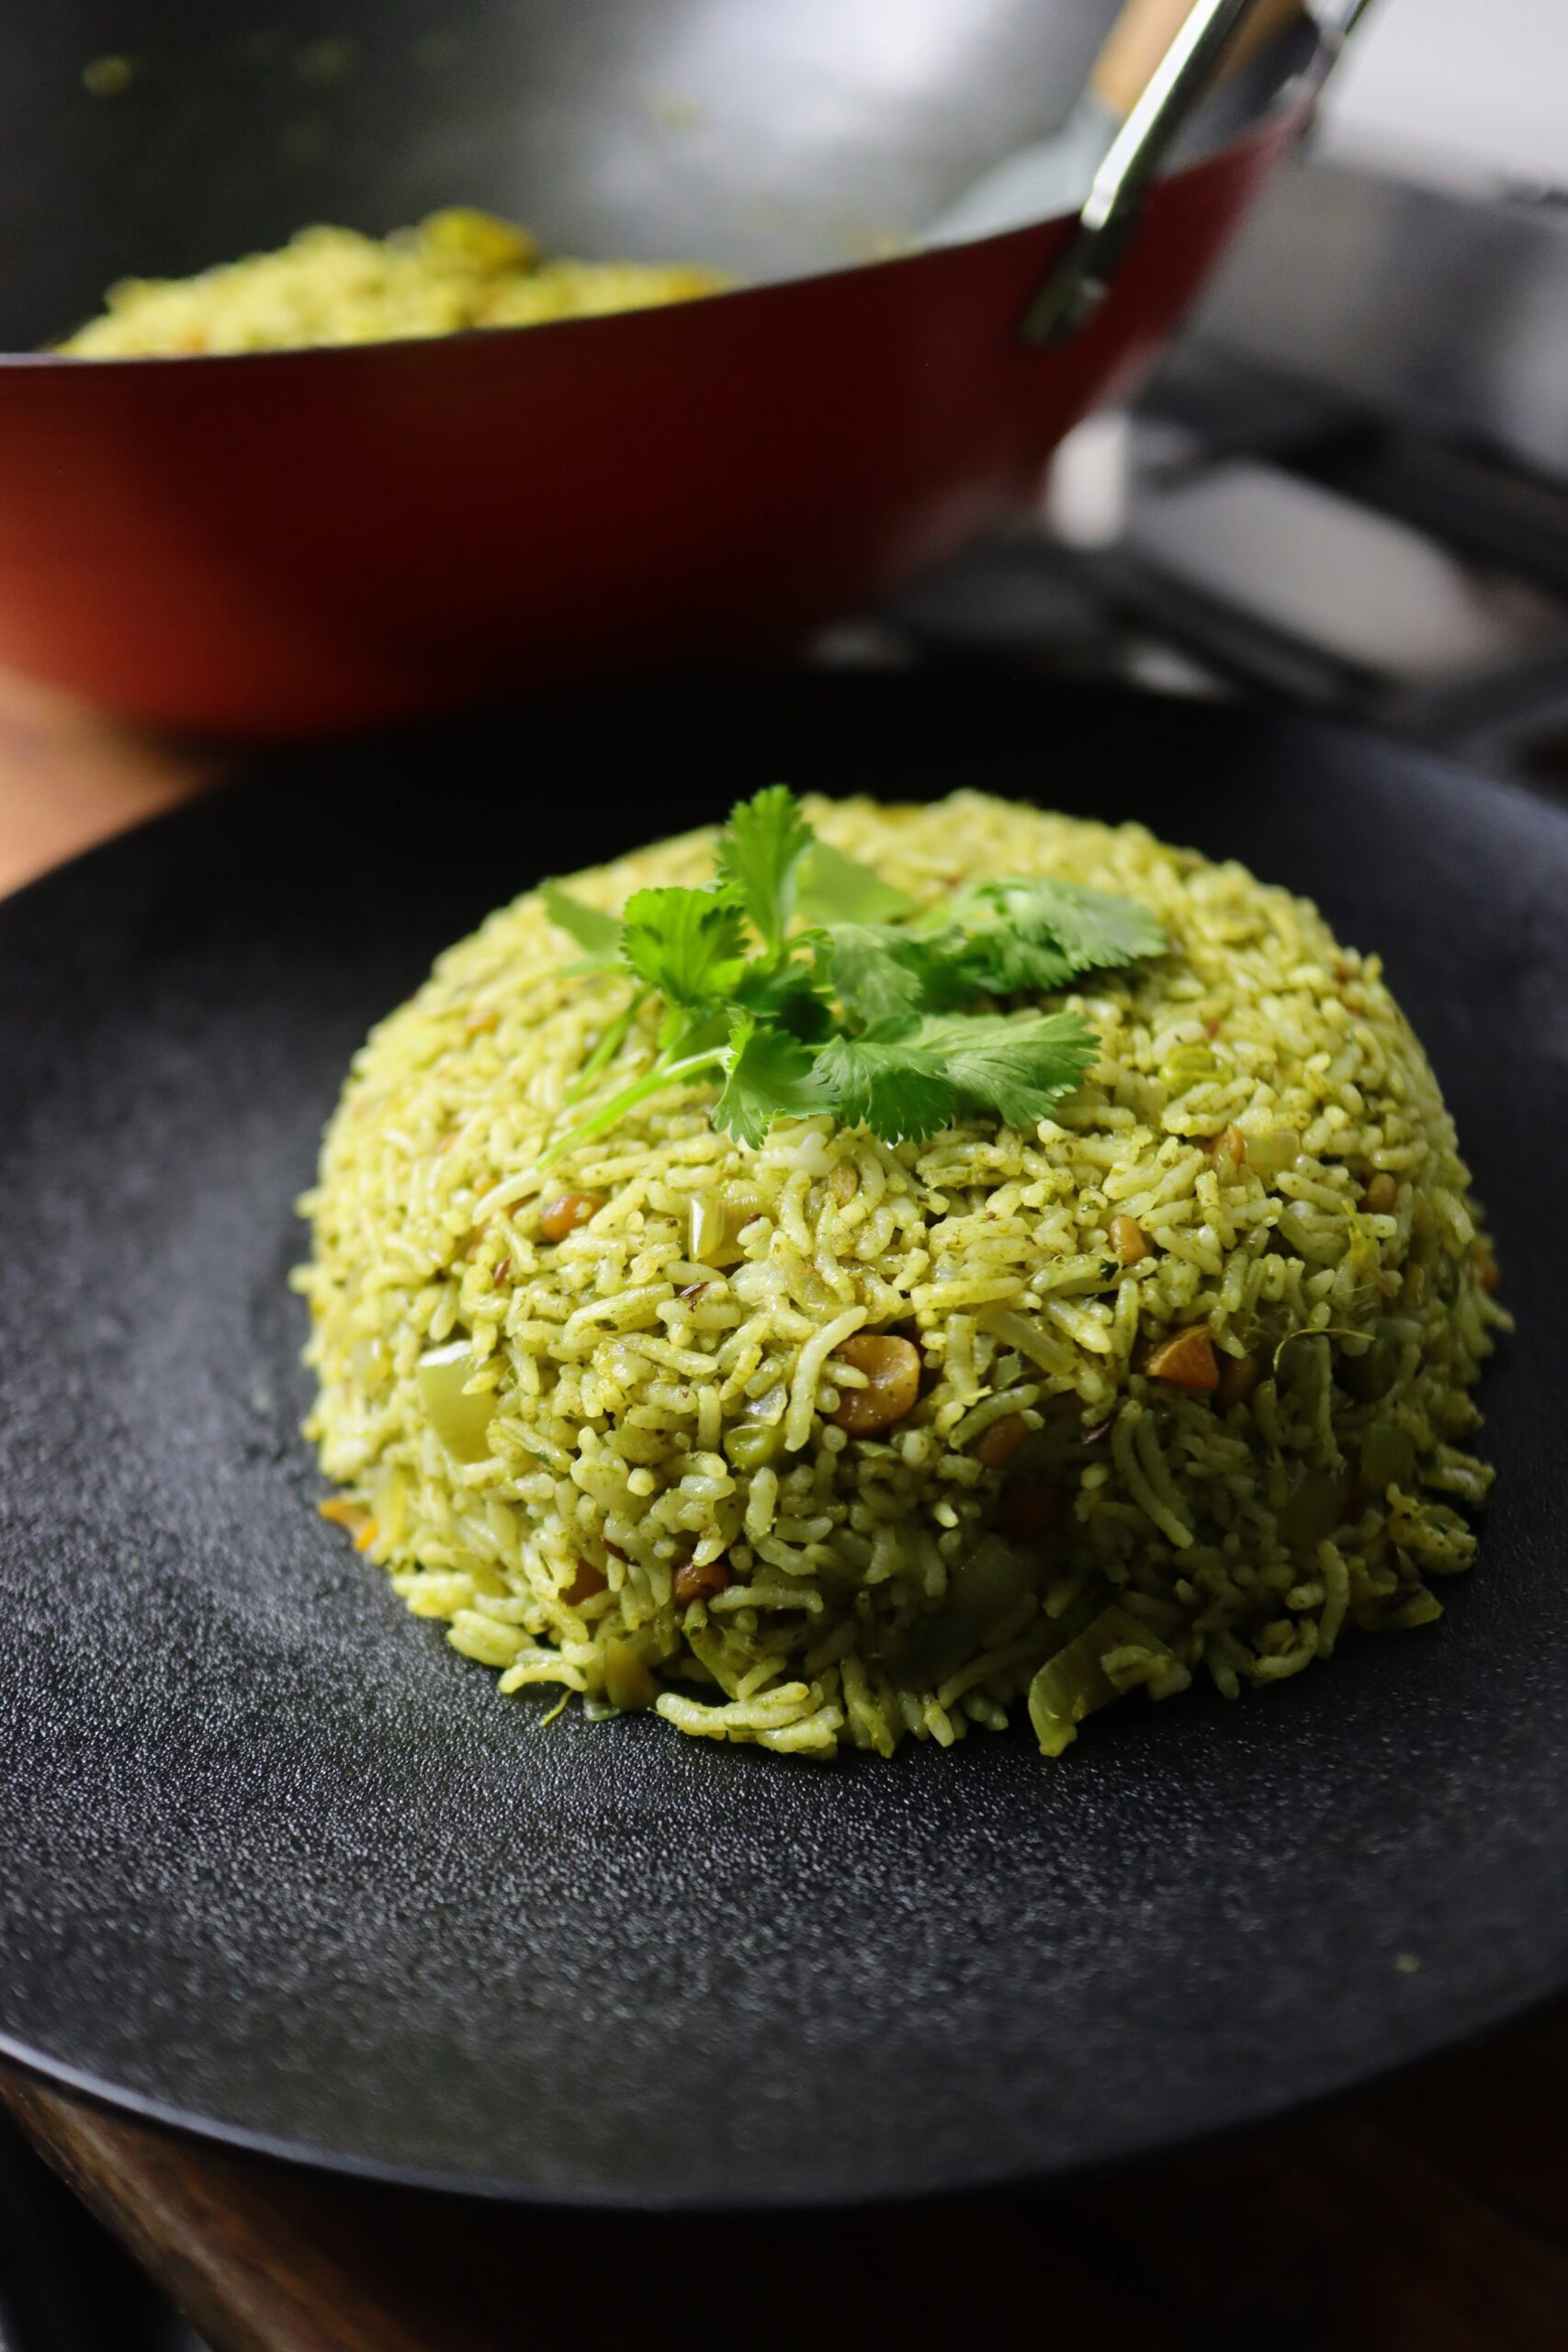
x,y
277,1861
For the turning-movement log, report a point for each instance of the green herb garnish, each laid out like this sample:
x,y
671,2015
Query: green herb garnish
x,y
866,1010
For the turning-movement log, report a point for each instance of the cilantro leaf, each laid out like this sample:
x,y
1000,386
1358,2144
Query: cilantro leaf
x,y
597,933
771,1074
866,1016
907,1083
1038,934
995,960
835,889
690,944
758,853
877,972
1021,1069
1097,928
788,995
1007,938
893,1086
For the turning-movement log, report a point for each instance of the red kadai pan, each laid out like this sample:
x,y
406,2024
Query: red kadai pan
x,y
278,543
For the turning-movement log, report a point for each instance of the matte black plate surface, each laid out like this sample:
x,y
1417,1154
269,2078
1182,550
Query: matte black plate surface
x,y
278,1861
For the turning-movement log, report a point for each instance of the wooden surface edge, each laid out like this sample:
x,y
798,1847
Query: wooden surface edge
x,y
243,2246
1428,2213
69,778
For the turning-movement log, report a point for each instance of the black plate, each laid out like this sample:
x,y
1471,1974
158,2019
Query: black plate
x,y
280,1863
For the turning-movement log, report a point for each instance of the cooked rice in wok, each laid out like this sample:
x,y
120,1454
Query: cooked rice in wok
x,y
457,269
610,1461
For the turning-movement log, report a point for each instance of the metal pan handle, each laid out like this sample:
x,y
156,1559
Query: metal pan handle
x,y
1078,284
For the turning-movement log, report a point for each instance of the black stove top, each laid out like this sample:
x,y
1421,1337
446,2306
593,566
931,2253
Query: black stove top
x,y
1350,494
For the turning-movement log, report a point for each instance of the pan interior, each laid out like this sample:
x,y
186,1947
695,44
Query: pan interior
x,y
773,138
277,1860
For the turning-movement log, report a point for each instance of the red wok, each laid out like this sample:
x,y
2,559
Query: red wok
x,y
287,542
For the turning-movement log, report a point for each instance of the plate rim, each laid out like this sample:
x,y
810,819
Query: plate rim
x,y
214,805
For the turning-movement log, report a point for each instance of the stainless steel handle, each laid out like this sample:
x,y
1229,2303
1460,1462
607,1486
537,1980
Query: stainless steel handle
x,y
1080,280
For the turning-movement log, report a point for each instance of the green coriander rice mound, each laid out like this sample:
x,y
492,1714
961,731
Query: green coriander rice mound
x,y
833,1440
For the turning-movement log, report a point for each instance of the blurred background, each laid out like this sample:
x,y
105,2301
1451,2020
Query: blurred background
x,y
1348,486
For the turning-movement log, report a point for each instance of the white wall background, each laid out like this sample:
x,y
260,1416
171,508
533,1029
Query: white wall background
x,y
1457,89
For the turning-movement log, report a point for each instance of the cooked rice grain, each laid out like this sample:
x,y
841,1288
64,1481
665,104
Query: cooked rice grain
x,y
607,1375
459,269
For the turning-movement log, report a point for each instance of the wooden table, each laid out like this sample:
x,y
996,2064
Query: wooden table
x,y
1429,2214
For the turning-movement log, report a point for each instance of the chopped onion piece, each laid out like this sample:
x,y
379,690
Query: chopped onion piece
x,y
460,1421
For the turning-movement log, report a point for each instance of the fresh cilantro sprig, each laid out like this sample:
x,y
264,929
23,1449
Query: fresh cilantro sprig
x,y
802,982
